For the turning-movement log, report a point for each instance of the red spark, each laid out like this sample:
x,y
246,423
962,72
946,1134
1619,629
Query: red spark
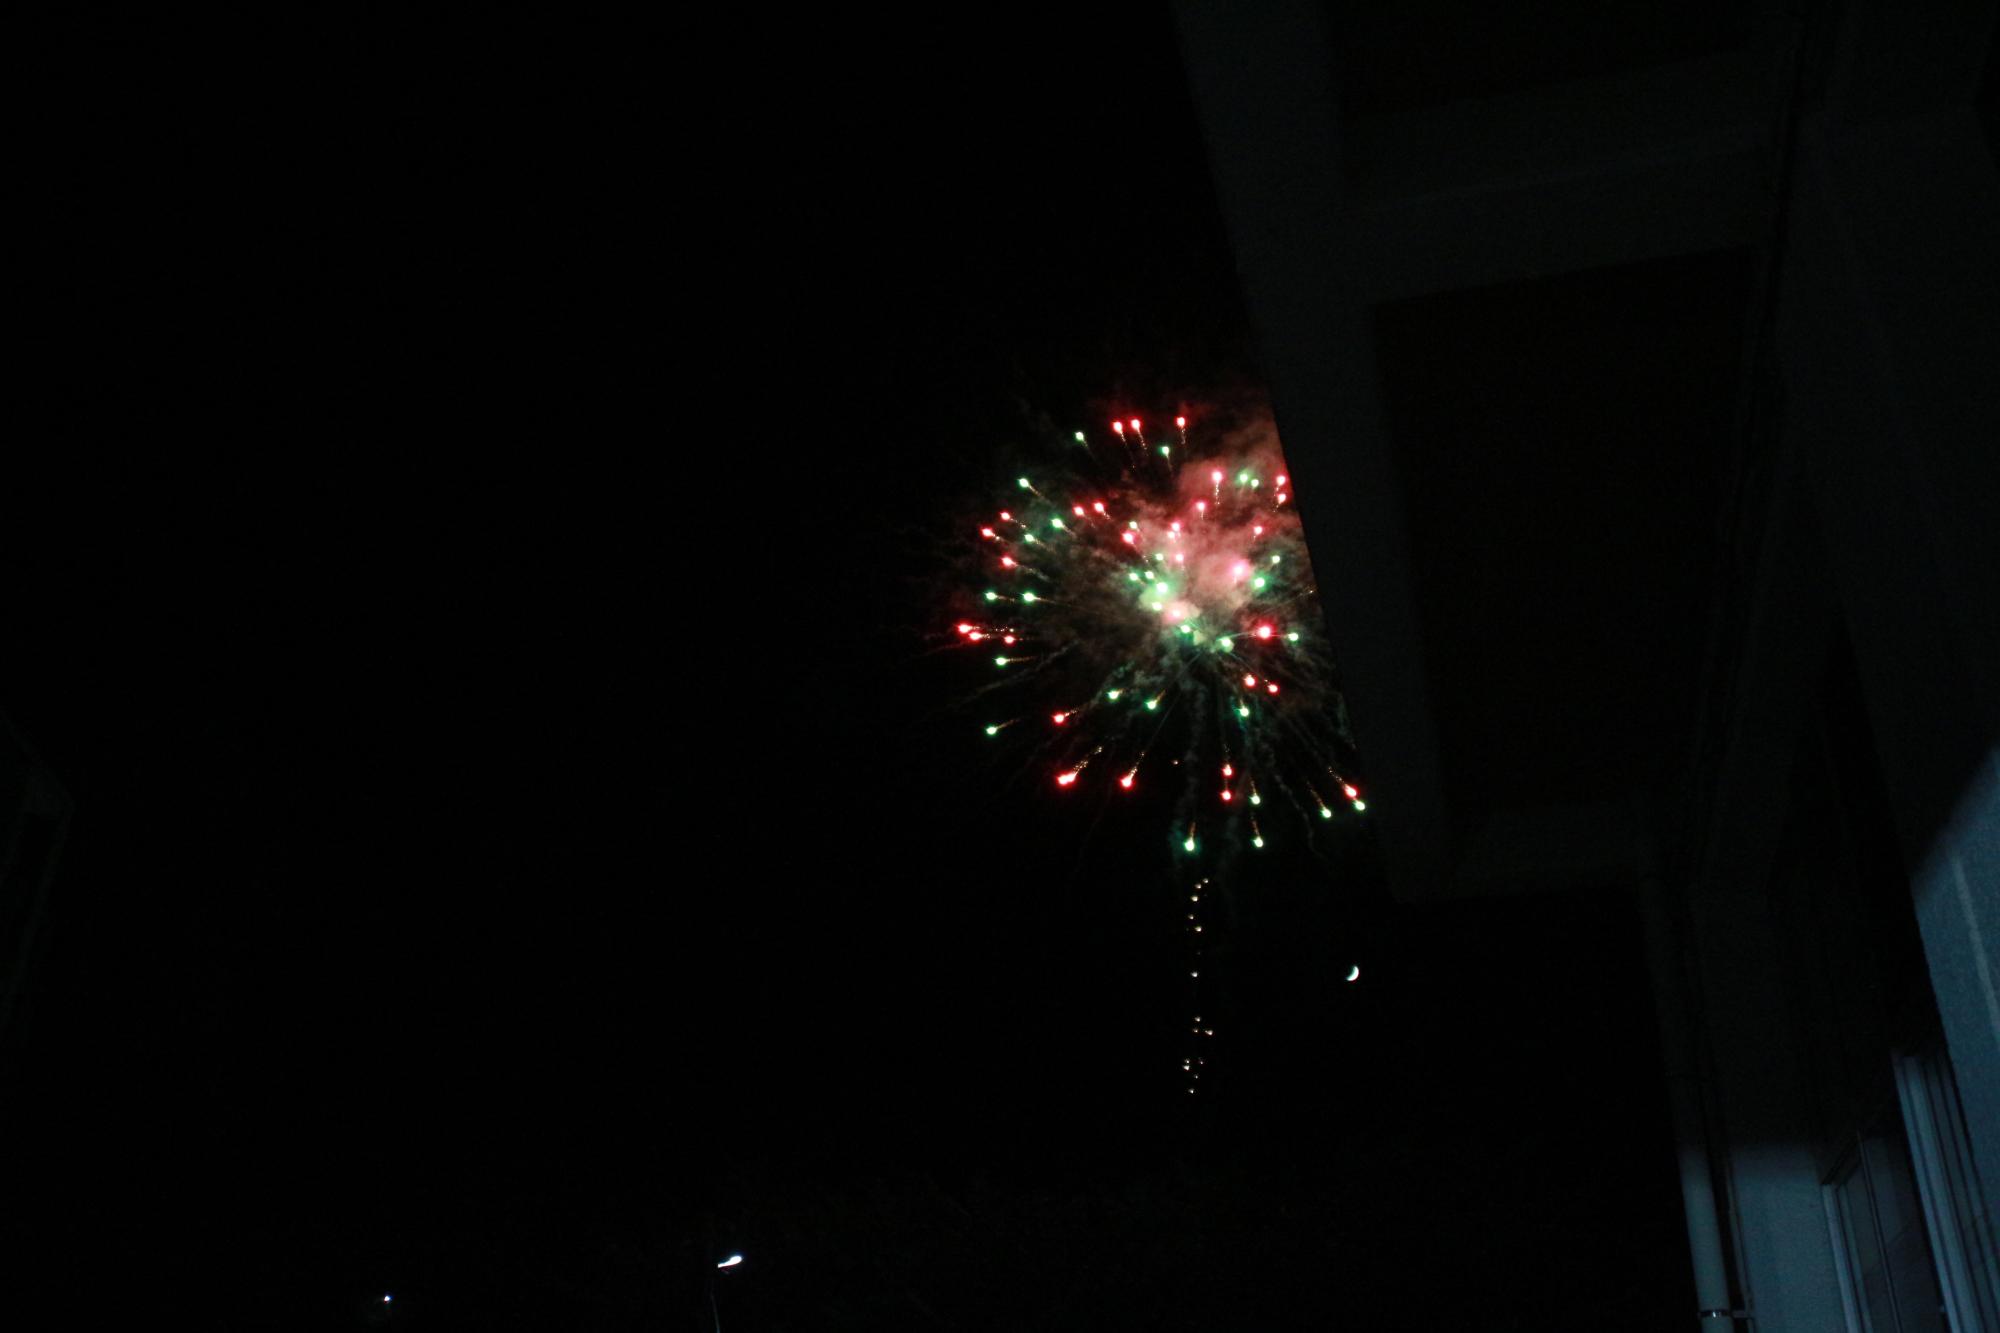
x,y
1264,631
1064,779
1350,789
1249,679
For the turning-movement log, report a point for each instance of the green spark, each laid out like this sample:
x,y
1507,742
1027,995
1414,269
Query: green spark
x,y
1189,844
992,596
993,731
1080,439
1361,805
1293,637
1325,813
1113,694
999,661
1258,583
1027,597
1257,842
1023,481
1226,645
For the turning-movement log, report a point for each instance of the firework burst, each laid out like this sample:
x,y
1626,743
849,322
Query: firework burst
x,y
1155,616
1149,609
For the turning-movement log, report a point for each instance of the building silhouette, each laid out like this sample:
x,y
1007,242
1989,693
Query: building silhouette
x,y
1641,395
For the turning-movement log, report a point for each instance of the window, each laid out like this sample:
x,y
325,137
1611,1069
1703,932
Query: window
x,y
1912,1237
1960,1226
1888,1279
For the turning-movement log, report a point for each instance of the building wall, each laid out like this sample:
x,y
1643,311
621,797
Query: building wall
x,y
1889,331
1869,517
1871,572
1822,929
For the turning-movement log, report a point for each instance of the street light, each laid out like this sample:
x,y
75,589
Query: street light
x,y
714,1313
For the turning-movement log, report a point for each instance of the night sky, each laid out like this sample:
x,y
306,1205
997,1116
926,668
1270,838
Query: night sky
x,y
477,571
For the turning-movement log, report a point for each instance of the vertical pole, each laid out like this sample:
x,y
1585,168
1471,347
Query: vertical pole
x,y
1714,1306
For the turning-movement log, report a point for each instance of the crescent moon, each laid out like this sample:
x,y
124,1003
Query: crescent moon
x,y
1354,972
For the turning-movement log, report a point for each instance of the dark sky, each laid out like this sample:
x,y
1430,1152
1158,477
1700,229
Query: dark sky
x,y
474,576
